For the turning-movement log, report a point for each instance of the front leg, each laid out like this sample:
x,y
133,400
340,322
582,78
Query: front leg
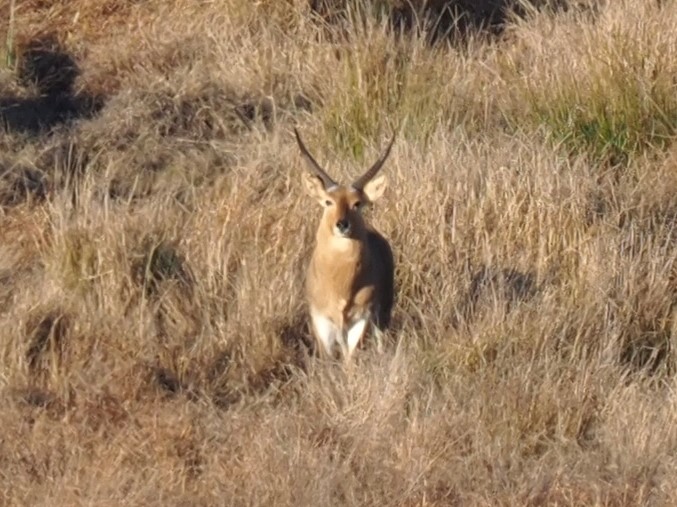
x,y
378,335
326,333
354,335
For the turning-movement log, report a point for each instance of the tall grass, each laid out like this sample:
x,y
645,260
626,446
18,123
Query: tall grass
x,y
610,93
10,55
154,346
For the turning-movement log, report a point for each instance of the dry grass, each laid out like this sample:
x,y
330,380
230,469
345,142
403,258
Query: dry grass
x,y
154,233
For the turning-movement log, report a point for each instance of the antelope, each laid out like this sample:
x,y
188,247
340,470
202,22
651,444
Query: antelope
x,y
350,278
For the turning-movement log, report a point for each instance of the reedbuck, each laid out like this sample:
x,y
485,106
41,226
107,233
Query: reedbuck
x,y
349,282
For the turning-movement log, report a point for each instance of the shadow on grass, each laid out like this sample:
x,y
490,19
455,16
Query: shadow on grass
x,y
45,67
437,20
46,340
17,185
491,286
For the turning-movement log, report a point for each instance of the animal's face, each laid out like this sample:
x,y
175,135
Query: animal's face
x,y
342,205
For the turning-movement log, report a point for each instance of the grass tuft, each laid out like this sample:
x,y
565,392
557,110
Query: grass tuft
x,y
617,99
161,262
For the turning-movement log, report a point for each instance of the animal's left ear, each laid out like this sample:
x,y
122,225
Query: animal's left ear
x,y
314,187
375,188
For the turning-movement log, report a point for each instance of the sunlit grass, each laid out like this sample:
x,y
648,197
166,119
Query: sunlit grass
x,y
154,345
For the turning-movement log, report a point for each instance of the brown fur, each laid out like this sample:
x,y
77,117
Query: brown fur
x,y
350,276
358,271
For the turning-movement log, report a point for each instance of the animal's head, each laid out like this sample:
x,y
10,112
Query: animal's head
x,y
343,204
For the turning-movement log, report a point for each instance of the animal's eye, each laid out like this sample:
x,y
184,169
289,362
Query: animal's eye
x,y
357,204
328,202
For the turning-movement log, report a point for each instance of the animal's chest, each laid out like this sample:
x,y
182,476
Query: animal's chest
x,y
358,305
343,292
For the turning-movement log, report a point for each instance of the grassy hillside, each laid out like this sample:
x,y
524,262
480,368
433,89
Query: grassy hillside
x,y
154,232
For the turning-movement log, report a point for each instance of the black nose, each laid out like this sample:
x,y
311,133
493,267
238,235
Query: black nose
x,y
343,226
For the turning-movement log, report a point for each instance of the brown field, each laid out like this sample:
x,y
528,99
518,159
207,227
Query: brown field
x,y
154,231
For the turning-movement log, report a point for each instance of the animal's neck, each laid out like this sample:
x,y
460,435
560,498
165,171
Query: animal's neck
x,y
340,251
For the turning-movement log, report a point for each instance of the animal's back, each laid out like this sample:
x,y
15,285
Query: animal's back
x,y
385,264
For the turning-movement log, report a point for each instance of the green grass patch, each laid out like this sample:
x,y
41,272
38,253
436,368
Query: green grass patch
x,y
611,132
614,104
386,85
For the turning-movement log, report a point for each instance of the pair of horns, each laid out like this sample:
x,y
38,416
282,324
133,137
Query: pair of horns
x,y
327,180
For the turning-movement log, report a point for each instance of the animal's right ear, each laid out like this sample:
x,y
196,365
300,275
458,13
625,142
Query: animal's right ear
x,y
374,189
315,187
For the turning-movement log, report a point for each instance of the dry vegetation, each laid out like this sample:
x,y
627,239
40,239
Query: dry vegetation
x,y
154,231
